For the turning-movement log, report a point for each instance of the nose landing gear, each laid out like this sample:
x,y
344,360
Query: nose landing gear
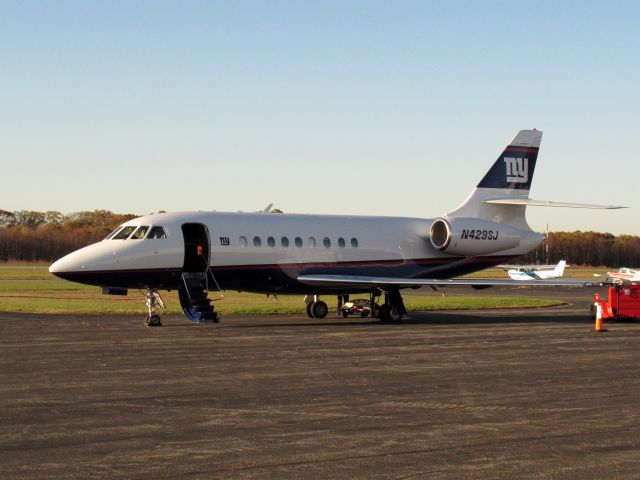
x,y
153,300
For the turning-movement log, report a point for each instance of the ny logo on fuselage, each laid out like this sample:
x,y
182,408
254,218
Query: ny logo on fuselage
x,y
517,169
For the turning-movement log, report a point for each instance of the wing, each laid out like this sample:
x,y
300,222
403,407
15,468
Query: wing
x,y
352,281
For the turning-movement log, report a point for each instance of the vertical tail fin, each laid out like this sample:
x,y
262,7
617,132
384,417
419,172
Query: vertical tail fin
x,y
559,270
513,170
510,177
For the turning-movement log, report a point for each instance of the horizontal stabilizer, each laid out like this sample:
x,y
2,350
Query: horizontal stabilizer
x,y
362,282
548,203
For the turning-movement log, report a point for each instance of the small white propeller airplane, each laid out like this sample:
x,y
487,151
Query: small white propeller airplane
x,y
624,275
195,252
535,272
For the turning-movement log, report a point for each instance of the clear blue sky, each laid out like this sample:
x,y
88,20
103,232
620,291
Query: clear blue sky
x,y
393,108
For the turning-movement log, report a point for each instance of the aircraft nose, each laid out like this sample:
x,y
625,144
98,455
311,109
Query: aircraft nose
x,y
54,267
78,266
67,264
90,265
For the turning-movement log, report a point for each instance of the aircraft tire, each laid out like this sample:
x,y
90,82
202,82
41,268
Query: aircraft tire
x,y
394,315
319,309
154,321
309,312
345,314
389,314
382,313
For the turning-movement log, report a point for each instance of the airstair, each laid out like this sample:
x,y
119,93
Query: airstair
x,y
193,293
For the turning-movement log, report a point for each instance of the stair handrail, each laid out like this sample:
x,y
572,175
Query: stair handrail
x,y
208,272
186,287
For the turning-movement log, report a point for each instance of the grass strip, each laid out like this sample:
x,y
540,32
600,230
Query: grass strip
x,y
34,289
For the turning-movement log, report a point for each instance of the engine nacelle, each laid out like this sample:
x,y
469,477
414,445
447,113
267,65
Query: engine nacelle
x,y
470,236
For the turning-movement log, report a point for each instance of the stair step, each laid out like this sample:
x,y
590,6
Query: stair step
x,y
209,316
197,298
195,284
208,320
203,304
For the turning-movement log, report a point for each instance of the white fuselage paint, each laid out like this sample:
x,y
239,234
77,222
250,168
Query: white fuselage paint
x,y
379,238
538,275
384,240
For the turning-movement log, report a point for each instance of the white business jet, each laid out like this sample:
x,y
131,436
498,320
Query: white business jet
x,y
197,252
535,272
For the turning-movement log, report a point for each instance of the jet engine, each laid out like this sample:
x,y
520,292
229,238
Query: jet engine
x,y
471,236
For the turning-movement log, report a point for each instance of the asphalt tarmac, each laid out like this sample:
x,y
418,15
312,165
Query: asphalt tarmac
x,y
444,395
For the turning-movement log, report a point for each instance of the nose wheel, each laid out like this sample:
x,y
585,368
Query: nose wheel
x,y
154,301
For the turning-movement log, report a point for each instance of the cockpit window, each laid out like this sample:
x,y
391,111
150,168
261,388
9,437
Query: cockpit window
x,y
157,232
113,233
140,233
124,233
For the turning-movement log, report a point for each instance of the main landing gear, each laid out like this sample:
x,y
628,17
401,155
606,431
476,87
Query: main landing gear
x,y
389,314
153,300
391,311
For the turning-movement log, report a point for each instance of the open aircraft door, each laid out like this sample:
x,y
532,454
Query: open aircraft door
x,y
196,274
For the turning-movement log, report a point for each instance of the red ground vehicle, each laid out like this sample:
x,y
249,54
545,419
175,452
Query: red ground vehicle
x,y
623,301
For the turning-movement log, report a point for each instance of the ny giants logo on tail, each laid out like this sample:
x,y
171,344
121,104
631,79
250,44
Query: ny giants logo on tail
x,y
517,169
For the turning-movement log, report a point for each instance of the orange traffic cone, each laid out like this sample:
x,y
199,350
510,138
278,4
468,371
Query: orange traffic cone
x,y
599,327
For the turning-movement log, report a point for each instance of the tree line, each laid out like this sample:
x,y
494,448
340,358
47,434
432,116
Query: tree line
x,y
32,236
587,248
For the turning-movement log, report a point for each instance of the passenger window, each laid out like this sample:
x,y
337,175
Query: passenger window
x,y
156,232
284,241
257,242
354,242
113,233
298,242
271,242
243,241
341,243
124,233
140,233
326,242
311,242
